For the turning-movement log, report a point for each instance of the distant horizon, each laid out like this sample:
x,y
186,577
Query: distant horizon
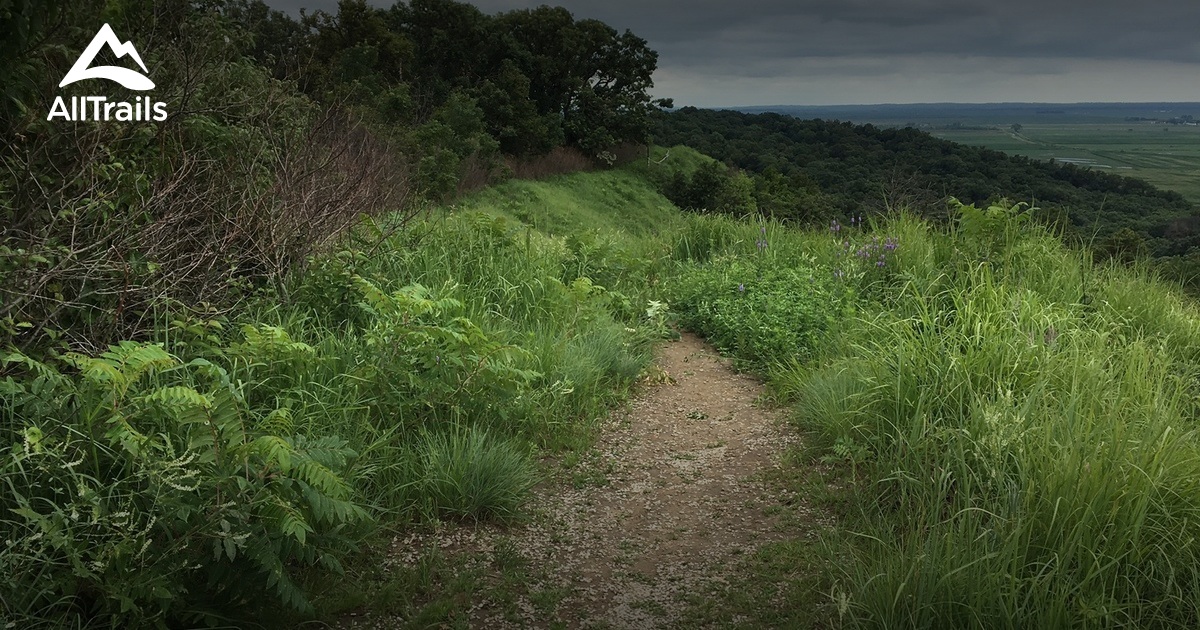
x,y
950,103
950,114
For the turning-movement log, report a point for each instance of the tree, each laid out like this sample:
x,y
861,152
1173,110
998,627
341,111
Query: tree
x,y
1124,245
594,80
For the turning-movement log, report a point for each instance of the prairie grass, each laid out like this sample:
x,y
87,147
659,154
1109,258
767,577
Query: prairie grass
x,y
416,374
1017,424
1025,429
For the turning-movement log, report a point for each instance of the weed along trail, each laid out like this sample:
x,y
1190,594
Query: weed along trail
x,y
653,522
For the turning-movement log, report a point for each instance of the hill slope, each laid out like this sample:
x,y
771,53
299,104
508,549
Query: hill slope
x,y
861,167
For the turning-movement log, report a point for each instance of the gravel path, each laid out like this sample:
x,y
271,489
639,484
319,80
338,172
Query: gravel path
x,y
676,497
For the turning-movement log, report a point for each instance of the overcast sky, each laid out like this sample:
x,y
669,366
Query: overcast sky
x,y
716,53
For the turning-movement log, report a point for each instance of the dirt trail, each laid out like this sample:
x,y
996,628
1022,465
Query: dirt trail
x,y
673,498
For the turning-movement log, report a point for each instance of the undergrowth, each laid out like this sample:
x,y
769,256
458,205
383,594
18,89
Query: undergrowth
x,y
416,374
1016,423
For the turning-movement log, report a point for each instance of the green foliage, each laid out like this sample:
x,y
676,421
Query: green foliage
x,y
987,231
159,494
1025,428
427,354
541,77
712,188
452,138
1124,245
764,316
768,305
283,133
243,183
835,169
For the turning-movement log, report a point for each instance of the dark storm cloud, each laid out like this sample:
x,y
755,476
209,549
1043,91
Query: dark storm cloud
x,y
1100,29
778,40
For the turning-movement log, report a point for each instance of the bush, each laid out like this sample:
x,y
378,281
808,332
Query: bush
x,y
761,316
148,491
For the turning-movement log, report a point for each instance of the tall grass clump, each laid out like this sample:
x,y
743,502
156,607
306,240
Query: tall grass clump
x,y
1024,434
467,473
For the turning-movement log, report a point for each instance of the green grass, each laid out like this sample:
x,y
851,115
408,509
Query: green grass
x,y
1167,156
1018,424
467,474
1027,438
416,374
609,201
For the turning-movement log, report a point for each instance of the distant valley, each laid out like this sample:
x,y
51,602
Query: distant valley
x,y
1157,142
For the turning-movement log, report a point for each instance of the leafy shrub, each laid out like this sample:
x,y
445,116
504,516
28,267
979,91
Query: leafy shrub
x,y
712,188
148,492
763,314
988,231
247,179
427,353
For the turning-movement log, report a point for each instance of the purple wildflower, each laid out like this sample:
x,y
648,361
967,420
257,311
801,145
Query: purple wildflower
x,y
741,287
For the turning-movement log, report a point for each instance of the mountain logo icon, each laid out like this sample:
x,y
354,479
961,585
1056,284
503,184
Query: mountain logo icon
x,y
126,77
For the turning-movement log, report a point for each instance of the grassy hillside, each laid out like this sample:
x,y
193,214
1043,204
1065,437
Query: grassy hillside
x,y
1012,427
1015,426
611,201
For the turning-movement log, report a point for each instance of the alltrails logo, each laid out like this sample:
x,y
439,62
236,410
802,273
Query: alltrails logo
x,y
84,108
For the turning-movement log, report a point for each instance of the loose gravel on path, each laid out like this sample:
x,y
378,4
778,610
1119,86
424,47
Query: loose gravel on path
x,y
674,497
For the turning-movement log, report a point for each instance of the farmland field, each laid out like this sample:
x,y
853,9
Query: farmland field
x,y
1128,138
1167,156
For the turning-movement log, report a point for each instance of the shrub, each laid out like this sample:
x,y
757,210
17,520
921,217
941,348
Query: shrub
x,y
762,314
147,491
429,359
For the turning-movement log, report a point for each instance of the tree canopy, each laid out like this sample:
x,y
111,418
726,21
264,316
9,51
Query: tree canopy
x,y
540,77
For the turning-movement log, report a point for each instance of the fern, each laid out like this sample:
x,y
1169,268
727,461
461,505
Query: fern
x,y
177,462
178,397
993,228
